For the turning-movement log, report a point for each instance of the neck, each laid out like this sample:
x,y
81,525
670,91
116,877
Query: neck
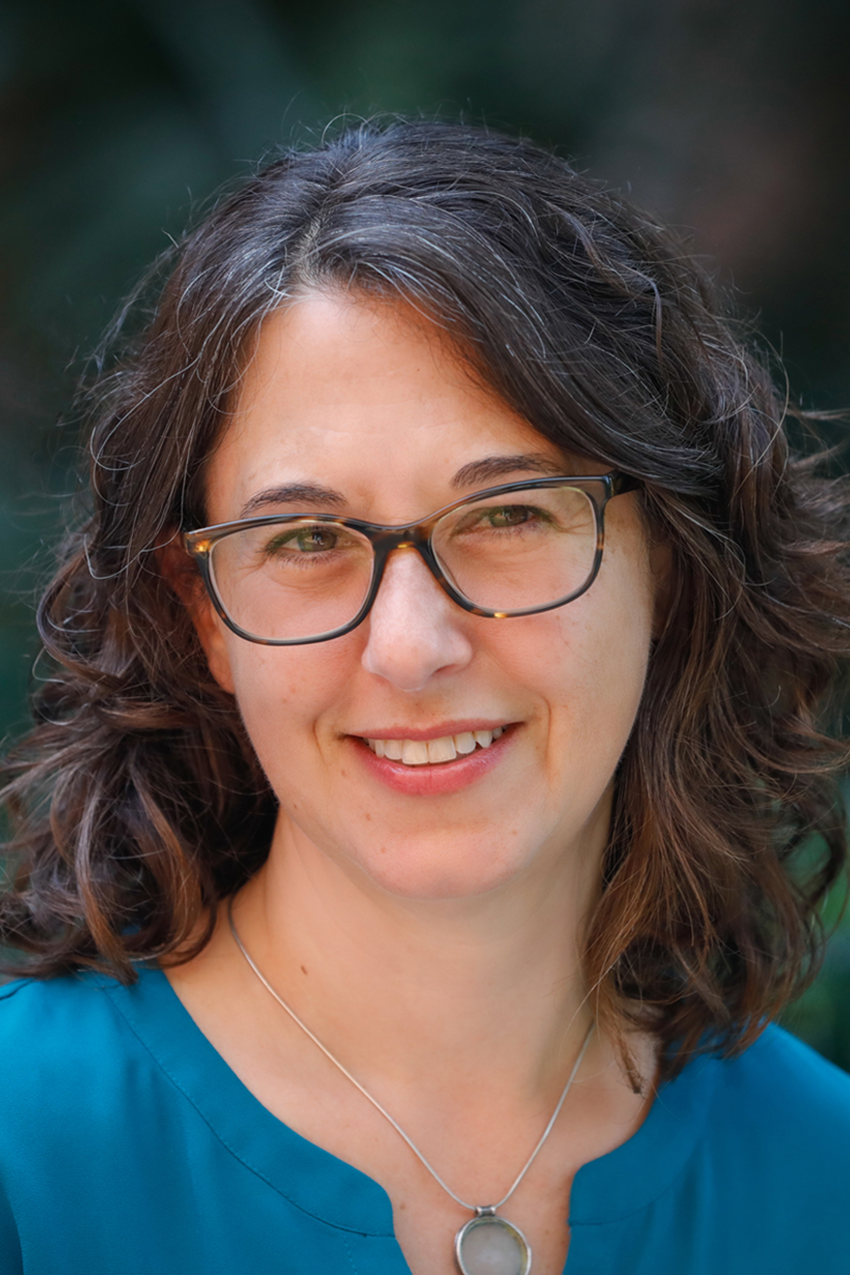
x,y
443,995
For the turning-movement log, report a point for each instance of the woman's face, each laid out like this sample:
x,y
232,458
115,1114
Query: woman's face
x,y
363,400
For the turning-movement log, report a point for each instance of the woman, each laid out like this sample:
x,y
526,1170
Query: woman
x,y
429,805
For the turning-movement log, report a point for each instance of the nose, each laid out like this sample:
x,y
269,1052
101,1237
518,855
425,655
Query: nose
x,y
414,630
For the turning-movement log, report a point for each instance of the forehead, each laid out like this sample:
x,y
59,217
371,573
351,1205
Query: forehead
x,y
369,398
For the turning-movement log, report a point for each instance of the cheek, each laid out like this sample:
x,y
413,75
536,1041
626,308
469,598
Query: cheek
x,y
283,695
597,658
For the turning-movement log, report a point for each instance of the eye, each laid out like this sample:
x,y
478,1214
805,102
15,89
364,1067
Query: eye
x,y
503,518
512,515
313,538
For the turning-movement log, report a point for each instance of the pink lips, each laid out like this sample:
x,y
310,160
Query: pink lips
x,y
441,778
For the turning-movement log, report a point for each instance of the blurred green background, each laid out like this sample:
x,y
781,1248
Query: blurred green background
x,y
729,119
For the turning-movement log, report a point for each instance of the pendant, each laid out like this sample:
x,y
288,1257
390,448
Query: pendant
x,y
490,1245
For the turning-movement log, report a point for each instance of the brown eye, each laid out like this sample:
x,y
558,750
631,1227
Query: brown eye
x,y
306,540
316,538
512,515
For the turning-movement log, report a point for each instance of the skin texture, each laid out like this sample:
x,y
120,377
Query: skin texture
x,y
430,938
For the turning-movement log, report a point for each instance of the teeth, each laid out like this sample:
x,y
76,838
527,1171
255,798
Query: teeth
x,y
420,752
414,752
442,749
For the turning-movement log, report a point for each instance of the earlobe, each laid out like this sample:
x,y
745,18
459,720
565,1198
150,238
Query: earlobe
x,y
180,573
211,634
661,566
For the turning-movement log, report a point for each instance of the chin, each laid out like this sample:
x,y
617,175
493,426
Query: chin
x,y
447,872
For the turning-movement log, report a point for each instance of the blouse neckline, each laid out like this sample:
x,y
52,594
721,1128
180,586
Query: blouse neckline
x,y
608,1189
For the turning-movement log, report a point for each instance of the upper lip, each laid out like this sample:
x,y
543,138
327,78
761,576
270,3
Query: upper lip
x,y
434,732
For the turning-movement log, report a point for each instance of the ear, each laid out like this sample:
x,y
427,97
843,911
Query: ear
x,y
661,566
180,573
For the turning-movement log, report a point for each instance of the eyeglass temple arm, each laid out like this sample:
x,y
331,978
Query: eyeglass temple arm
x,y
621,482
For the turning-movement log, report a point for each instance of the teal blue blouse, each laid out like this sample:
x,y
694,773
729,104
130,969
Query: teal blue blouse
x,y
128,1147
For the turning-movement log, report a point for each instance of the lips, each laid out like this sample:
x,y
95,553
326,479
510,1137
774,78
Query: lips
x,y
444,748
433,765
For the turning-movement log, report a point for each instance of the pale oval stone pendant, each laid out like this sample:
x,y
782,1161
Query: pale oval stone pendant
x,y
490,1245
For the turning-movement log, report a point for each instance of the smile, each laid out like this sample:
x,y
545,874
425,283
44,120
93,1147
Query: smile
x,y
425,752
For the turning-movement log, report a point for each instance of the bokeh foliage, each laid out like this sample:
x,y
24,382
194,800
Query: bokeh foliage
x,y
118,120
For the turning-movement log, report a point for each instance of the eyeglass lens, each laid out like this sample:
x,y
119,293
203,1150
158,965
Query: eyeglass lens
x,y
300,579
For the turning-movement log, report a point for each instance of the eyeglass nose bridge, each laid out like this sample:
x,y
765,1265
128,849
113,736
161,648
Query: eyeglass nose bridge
x,y
418,537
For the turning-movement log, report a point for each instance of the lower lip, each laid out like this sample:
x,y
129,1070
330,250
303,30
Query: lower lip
x,y
438,779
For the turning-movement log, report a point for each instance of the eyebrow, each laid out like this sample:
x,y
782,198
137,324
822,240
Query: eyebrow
x,y
490,469
475,474
308,495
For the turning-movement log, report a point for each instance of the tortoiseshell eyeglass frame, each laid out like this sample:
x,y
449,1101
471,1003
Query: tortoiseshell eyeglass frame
x,y
600,488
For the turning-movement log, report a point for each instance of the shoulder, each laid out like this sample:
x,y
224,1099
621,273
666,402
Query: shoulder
x,y
60,1039
742,1166
775,1140
68,1007
781,1088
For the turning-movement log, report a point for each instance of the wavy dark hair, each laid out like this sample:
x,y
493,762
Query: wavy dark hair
x,y
137,800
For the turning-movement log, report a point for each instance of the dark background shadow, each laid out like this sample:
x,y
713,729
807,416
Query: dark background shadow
x,y
117,120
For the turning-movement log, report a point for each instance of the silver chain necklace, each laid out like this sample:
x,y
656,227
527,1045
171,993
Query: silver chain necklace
x,y
487,1244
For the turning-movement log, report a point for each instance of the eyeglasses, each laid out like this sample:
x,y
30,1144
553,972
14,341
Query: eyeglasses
x,y
516,549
